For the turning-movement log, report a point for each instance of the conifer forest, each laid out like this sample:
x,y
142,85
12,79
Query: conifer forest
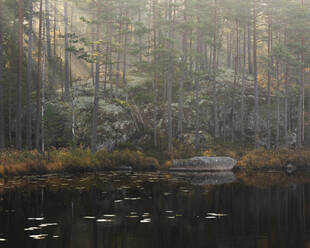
x,y
154,123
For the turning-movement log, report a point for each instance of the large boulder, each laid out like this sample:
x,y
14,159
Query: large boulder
x,y
204,164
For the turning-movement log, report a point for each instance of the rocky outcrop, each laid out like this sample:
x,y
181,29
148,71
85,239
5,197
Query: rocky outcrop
x,y
204,164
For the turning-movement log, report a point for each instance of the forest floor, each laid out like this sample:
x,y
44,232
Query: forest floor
x,y
80,160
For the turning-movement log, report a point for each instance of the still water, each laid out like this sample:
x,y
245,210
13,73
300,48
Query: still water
x,y
135,210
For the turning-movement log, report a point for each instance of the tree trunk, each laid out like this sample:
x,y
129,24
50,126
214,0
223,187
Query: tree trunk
x,y
54,31
48,30
269,82
125,59
67,83
70,55
118,53
184,77
300,123
243,84
170,78
234,86
286,108
278,105
155,89
2,135
20,76
38,109
93,145
250,67
256,128
110,54
29,81
197,89
214,91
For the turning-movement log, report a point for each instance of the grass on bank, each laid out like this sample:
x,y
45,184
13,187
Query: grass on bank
x,y
262,158
75,160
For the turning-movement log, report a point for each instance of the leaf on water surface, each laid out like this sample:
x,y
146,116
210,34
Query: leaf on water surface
x,y
48,224
217,215
33,228
89,217
132,216
148,220
39,236
132,198
38,219
104,220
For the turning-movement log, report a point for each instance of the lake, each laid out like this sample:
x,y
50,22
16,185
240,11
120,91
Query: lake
x,y
158,209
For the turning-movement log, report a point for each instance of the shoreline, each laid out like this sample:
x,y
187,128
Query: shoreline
x,y
80,160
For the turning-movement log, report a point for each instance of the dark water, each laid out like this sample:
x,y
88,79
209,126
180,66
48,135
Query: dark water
x,y
117,210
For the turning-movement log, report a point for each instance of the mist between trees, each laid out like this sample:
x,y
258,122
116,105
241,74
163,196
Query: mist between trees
x,y
154,73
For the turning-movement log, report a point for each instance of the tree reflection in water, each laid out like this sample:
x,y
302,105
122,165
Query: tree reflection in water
x,y
180,213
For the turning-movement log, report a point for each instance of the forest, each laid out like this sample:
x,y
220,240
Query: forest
x,y
146,81
155,123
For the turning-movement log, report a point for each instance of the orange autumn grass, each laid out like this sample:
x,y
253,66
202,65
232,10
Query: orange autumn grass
x,y
70,160
262,158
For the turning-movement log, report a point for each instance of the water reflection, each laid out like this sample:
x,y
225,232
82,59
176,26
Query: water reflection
x,y
151,210
205,178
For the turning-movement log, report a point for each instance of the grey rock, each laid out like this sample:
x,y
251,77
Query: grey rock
x,y
290,168
204,164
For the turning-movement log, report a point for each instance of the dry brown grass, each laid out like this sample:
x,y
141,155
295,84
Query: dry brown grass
x,y
70,160
261,158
